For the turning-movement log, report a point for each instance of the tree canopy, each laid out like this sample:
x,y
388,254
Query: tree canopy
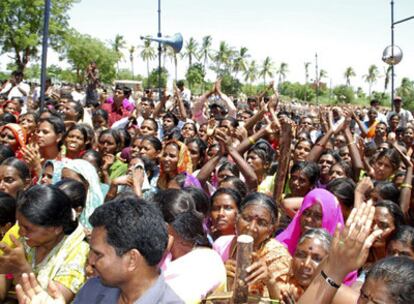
x,y
21,24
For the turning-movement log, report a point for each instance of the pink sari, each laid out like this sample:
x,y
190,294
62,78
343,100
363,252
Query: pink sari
x,y
331,216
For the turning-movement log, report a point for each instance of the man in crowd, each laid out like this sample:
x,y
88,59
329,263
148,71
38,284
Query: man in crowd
x,y
405,115
92,79
16,87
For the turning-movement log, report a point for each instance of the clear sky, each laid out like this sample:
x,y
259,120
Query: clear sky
x,y
343,32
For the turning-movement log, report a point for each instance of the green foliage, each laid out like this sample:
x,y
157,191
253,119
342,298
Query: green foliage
x,y
4,76
383,98
126,74
32,72
297,90
22,23
230,85
406,92
195,76
344,94
82,49
152,81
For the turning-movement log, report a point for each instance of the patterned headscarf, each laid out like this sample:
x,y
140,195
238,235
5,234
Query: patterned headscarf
x,y
184,164
19,133
94,197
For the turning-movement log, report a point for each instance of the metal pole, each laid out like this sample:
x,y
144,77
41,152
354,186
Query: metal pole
x,y
159,49
46,17
317,78
392,53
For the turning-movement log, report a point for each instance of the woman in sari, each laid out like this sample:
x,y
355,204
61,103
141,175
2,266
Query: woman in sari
x,y
270,268
51,244
175,159
320,209
81,170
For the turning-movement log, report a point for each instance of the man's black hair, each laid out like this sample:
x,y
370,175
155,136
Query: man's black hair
x,y
132,223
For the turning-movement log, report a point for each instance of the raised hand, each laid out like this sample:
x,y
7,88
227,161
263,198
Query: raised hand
x,y
13,259
350,247
29,292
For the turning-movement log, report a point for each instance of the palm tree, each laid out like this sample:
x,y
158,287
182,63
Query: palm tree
x,y
117,45
371,77
147,53
307,64
322,74
349,72
131,58
223,56
282,71
239,63
169,51
191,50
205,50
251,72
266,69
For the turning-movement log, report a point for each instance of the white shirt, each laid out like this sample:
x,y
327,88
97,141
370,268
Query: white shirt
x,y
15,92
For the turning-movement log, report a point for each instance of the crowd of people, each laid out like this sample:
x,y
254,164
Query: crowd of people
x,y
124,195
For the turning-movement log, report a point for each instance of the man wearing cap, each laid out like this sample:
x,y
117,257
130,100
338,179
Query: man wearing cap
x,y
405,116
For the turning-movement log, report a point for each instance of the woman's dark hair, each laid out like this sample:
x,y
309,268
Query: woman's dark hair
x,y
125,137
57,124
201,200
397,273
346,167
78,109
189,226
7,209
343,188
75,190
233,121
154,122
90,134
257,198
81,128
47,206
193,124
5,152
102,113
22,169
332,153
310,169
154,141
172,202
264,151
392,155
394,210
172,116
7,117
96,155
304,140
388,191
237,185
231,167
115,135
202,147
230,192
405,235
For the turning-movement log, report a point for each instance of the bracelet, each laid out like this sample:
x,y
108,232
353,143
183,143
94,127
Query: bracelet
x,y
329,280
251,141
351,143
406,186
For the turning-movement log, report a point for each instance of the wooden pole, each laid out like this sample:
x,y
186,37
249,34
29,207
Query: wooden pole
x,y
284,159
243,260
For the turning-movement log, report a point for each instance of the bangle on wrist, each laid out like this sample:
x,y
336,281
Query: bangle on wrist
x,y
351,143
405,185
329,280
251,141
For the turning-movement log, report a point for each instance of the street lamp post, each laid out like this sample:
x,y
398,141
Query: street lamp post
x,y
392,54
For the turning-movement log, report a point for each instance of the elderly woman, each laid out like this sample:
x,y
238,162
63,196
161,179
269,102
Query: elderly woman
x,y
258,218
51,244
